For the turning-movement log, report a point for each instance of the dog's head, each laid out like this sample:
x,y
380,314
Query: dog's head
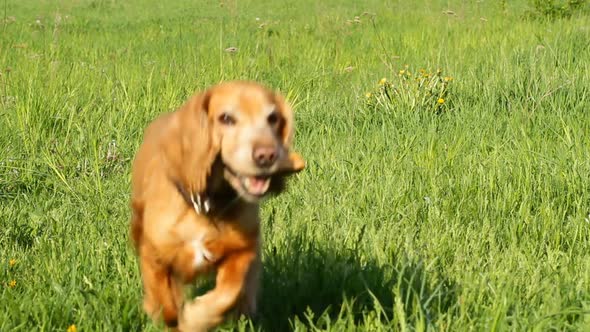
x,y
246,130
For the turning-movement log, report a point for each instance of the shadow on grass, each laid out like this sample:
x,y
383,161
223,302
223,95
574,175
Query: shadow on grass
x,y
304,285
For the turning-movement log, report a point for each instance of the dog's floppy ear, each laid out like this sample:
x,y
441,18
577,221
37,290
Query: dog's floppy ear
x,y
198,148
293,162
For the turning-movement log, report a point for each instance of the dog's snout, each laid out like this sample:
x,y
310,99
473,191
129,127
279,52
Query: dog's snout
x,y
264,156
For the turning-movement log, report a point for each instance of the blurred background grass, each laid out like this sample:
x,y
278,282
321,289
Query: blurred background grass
x,y
472,218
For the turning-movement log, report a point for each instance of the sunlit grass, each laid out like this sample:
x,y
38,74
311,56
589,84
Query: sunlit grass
x,y
449,200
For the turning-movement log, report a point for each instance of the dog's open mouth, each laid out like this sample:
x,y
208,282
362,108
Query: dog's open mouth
x,y
255,185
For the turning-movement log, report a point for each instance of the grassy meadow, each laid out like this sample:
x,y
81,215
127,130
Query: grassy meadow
x,y
448,150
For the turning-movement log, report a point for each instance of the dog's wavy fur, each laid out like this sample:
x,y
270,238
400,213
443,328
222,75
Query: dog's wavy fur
x,y
203,150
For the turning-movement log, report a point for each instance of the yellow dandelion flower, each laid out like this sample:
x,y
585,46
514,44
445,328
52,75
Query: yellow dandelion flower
x,y
72,328
448,78
441,101
368,95
401,72
382,81
12,262
12,283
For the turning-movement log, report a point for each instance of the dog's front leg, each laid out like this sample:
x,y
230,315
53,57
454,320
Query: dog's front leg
x,y
207,311
246,304
163,293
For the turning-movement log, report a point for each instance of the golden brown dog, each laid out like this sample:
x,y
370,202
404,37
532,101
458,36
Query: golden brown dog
x,y
196,182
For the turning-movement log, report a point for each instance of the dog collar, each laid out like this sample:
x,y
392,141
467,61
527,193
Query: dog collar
x,y
200,204
207,203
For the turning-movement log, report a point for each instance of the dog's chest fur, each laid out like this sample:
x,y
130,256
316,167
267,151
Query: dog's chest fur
x,y
205,241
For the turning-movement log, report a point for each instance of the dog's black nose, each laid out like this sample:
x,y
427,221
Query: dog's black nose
x,y
264,156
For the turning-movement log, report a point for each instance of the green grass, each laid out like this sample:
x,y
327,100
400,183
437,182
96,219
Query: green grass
x,y
473,218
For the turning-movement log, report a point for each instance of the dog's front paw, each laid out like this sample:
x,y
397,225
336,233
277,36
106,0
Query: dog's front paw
x,y
196,317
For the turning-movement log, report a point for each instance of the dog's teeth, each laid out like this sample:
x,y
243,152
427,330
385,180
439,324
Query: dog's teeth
x,y
247,182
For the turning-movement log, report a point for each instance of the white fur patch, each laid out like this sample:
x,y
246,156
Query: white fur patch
x,y
202,256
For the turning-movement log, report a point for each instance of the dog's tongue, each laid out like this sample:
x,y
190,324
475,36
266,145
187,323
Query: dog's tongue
x,y
257,185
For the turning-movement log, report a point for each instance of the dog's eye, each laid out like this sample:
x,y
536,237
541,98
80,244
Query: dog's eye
x,y
227,119
273,118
